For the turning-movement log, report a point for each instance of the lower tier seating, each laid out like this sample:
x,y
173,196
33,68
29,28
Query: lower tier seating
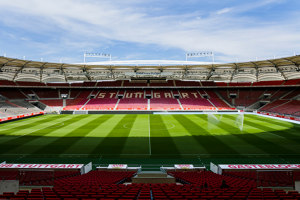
x,y
133,104
150,191
107,185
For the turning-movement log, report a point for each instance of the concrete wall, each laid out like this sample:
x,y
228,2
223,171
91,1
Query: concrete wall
x,y
9,186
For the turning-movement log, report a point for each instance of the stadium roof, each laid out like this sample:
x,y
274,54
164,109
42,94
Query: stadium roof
x,y
286,61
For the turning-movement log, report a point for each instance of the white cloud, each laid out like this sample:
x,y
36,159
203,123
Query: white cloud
x,y
223,11
81,24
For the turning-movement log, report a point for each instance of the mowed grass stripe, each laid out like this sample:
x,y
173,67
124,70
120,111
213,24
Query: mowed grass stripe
x,y
114,142
88,143
18,144
21,122
247,146
182,138
212,143
278,137
138,138
60,145
231,137
44,120
291,133
269,146
276,122
161,141
53,122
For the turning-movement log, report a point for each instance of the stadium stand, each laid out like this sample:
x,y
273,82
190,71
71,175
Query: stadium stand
x,y
50,93
12,94
187,83
163,100
161,83
106,100
109,83
133,100
192,100
212,180
53,103
36,178
135,83
16,107
161,88
109,185
277,100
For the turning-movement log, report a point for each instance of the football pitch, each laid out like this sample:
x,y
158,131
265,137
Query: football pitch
x,y
116,138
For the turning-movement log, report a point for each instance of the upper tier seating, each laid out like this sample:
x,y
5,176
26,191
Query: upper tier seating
x,y
53,102
109,83
292,82
12,93
90,84
244,97
6,82
76,84
237,84
134,83
58,84
207,83
162,83
260,83
25,83
74,93
47,93
247,98
120,83
187,83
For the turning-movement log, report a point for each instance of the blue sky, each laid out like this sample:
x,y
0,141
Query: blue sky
x,y
149,29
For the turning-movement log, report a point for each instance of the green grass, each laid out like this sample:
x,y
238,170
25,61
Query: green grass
x,y
173,139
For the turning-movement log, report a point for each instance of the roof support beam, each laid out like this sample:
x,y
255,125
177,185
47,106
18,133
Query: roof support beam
x,y
4,64
257,72
112,73
278,69
41,71
234,71
211,72
185,72
63,72
19,70
86,73
296,64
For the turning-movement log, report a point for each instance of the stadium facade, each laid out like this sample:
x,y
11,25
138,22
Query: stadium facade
x,y
268,86
250,156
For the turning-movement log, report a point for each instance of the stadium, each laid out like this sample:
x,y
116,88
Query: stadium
x,y
150,129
